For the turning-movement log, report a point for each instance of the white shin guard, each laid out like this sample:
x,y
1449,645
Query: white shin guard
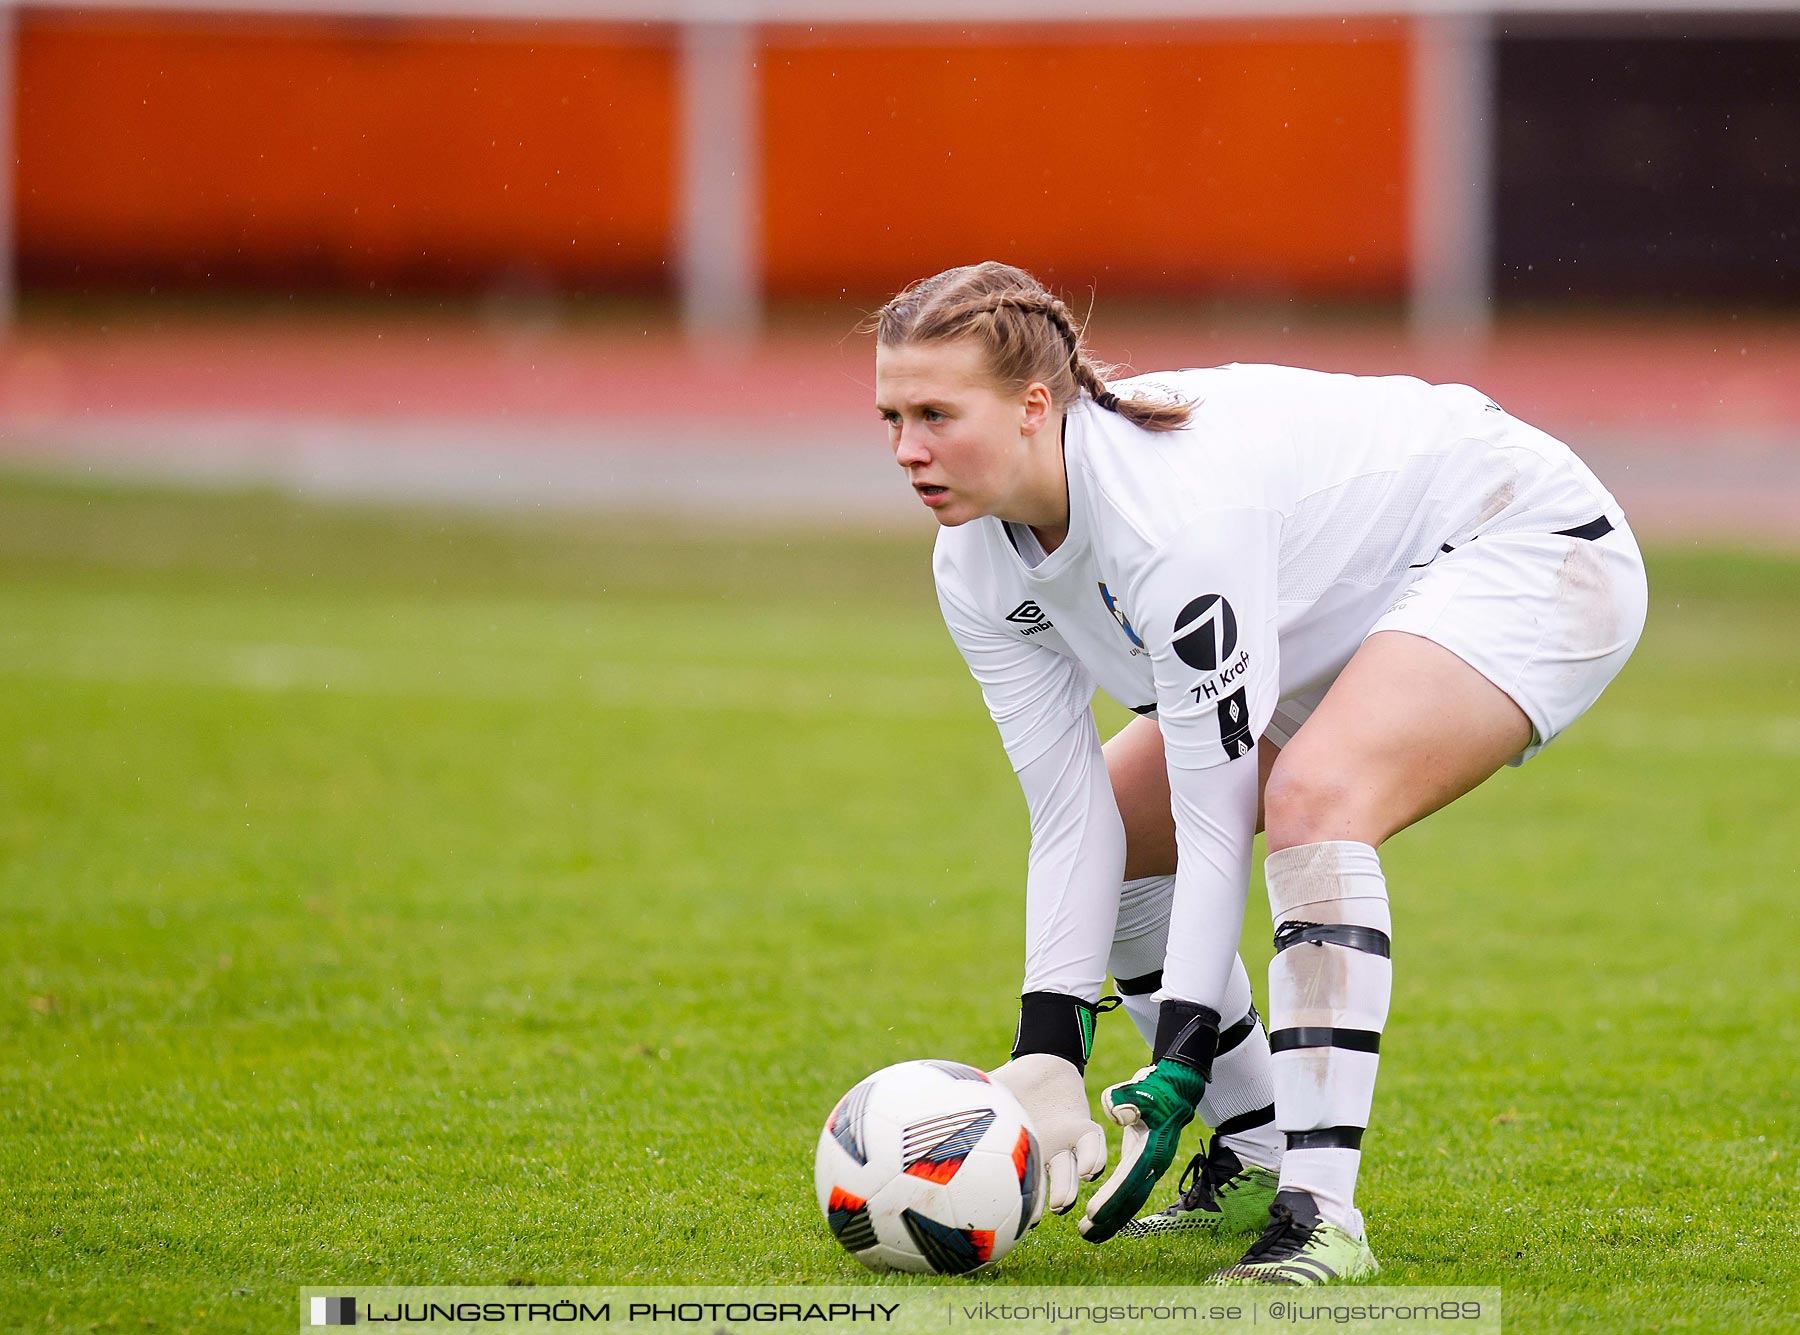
x,y
1329,986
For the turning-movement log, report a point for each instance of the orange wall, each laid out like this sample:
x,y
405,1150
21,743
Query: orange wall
x,y
343,149
1198,157
1224,158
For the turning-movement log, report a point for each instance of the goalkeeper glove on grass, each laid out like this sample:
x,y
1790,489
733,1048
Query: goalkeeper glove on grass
x,y
1154,1107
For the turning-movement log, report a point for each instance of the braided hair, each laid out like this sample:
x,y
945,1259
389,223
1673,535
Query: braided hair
x,y
1027,331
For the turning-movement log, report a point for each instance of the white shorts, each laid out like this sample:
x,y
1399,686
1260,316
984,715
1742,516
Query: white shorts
x,y
1549,619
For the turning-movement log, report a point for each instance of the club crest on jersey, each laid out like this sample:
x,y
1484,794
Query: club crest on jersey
x,y
1118,615
1029,618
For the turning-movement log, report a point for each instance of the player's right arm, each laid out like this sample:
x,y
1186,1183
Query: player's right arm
x,y
1039,699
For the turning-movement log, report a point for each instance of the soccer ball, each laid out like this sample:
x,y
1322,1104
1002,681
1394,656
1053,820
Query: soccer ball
x,y
928,1166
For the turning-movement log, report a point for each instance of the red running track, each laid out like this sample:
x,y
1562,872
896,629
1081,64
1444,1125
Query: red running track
x,y
1707,414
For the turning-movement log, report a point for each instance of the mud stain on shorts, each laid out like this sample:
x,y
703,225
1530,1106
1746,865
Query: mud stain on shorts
x,y
1588,601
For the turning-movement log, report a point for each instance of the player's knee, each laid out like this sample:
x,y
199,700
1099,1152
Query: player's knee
x,y
1308,804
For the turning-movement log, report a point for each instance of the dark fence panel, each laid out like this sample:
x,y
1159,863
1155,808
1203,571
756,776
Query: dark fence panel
x,y
1659,169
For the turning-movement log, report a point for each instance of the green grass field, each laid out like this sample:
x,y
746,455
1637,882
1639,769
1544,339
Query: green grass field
x,y
402,897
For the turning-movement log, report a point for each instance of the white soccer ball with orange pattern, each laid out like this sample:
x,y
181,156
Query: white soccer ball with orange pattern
x,y
930,1167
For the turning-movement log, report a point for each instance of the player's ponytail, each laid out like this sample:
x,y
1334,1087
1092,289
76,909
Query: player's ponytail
x,y
1028,333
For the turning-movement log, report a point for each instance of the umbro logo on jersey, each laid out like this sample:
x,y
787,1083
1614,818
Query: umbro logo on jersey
x,y
1030,617
1118,615
1206,632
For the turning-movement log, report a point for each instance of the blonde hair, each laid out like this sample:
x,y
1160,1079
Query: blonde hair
x,y
1026,332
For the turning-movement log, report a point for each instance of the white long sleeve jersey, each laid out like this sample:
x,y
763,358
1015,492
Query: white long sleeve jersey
x,y
1209,573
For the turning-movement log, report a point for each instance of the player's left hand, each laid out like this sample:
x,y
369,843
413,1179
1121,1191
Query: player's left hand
x,y
1153,1107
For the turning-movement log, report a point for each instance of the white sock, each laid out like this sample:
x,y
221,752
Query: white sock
x,y
1240,1097
1143,1010
1329,1176
1139,942
1329,986
1242,1083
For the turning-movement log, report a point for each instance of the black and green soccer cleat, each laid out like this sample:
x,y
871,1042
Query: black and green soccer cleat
x,y
1220,1193
1299,1248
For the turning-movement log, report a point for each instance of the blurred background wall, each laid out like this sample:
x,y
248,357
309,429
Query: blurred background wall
x,y
1636,159
206,150
1185,157
410,241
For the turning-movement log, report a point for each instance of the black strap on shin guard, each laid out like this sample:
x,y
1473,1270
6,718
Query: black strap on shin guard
x,y
1187,1032
1059,1025
1370,940
1326,1138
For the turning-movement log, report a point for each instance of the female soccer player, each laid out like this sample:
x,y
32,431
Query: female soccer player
x,y
1337,602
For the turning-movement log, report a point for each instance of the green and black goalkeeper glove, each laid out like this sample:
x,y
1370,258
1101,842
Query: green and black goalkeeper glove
x,y
1154,1107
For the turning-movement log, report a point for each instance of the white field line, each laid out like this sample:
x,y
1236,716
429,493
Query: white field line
x,y
276,668
1740,485
282,668
818,475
